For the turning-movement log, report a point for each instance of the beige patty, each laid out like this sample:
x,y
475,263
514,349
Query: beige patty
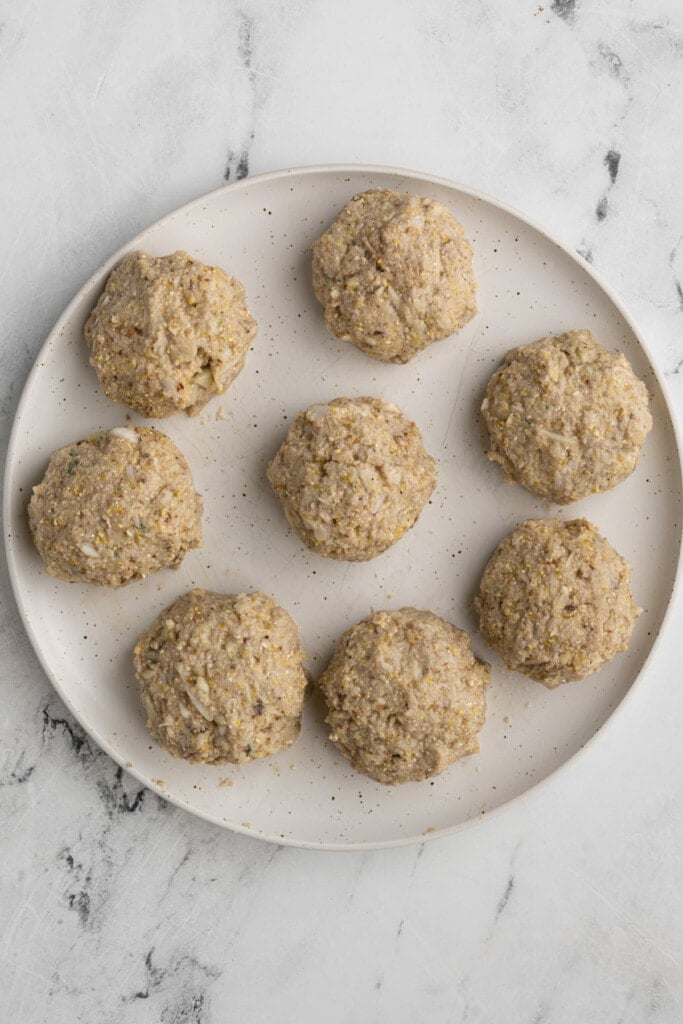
x,y
406,697
394,273
168,333
555,600
566,417
221,677
115,507
352,476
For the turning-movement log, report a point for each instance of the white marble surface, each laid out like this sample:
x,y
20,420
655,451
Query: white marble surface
x,y
115,907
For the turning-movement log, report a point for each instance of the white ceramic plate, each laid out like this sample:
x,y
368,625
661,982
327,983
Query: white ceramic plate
x,y
261,230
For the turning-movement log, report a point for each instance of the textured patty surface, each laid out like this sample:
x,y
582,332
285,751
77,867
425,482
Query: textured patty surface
x,y
566,417
352,476
221,677
406,696
115,507
168,333
394,273
555,600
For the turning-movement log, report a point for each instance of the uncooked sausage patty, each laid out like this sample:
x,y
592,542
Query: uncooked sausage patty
x,y
555,600
406,697
221,677
168,333
352,476
115,507
566,417
394,273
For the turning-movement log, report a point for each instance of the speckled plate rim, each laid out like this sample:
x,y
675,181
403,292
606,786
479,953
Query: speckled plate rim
x,y
245,183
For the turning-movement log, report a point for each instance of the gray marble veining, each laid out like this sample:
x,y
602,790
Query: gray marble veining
x,y
115,906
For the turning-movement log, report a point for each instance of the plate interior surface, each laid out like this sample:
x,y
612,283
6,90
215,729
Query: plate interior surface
x,y
261,231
